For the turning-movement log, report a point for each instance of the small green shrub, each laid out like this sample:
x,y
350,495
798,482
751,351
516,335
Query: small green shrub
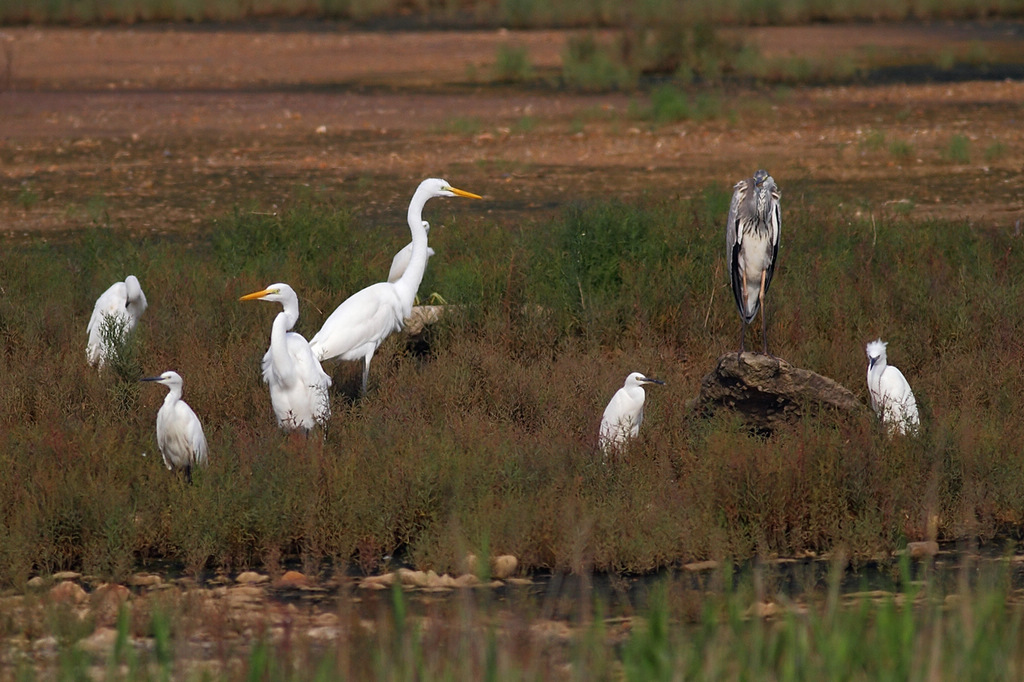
x,y
945,60
591,66
958,150
463,125
27,198
669,104
901,149
995,151
512,64
874,141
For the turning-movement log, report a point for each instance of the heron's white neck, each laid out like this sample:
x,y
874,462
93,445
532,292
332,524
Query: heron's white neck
x,y
173,393
136,305
409,283
636,392
289,314
284,321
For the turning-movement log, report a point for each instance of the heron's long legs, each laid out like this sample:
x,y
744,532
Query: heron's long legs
x,y
743,334
764,321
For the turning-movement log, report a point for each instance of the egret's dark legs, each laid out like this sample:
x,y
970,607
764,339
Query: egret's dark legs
x,y
188,473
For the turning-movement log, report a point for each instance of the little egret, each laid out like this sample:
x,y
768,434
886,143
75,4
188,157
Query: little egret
x,y
401,260
624,414
752,245
891,397
357,327
298,384
122,304
179,435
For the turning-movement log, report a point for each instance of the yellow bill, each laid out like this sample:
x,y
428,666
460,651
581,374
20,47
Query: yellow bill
x,y
256,295
463,193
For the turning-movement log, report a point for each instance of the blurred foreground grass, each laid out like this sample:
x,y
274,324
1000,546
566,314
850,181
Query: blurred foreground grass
x,y
931,626
483,434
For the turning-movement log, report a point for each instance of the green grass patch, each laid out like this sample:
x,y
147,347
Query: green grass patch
x,y
958,149
27,198
874,141
995,151
669,104
592,66
901,149
512,64
524,124
463,125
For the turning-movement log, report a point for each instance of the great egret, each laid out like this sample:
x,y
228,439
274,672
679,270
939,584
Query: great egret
x,y
357,327
122,305
891,397
179,435
624,414
401,260
298,384
752,245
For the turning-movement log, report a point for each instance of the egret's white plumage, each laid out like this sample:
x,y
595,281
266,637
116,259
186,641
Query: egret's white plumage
x,y
123,303
357,327
401,260
298,384
891,397
752,246
624,414
179,435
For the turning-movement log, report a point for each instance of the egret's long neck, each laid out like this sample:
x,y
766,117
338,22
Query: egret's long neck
x,y
284,321
136,303
173,394
409,283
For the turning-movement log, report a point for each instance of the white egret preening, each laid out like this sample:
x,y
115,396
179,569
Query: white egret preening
x,y
357,327
752,246
298,384
122,304
624,414
179,435
891,397
401,260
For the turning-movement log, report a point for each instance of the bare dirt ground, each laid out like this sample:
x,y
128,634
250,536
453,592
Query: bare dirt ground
x,y
165,128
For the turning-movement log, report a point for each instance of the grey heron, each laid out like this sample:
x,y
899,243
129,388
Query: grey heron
x,y
360,324
891,397
298,384
752,246
179,435
625,412
122,305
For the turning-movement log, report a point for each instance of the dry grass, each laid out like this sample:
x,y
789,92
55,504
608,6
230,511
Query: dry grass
x,y
484,433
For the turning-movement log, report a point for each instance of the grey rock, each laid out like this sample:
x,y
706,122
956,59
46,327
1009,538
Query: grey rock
x,y
769,391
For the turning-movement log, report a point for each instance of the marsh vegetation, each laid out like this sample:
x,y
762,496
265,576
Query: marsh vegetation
x,y
483,432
